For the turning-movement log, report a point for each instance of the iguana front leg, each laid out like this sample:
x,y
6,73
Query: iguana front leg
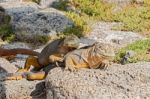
x,y
56,58
31,61
104,64
70,64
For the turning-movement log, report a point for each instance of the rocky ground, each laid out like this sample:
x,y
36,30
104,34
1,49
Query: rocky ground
x,y
131,81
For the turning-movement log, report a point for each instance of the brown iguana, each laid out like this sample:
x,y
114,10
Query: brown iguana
x,y
53,52
98,55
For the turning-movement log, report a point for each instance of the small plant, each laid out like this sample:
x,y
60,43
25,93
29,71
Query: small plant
x,y
6,32
141,48
80,26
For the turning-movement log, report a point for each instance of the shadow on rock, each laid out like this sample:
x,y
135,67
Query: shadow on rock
x,y
39,92
2,84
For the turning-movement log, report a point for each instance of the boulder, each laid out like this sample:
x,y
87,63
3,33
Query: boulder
x,y
17,10
130,81
22,89
45,23
105,33
32,24
6,66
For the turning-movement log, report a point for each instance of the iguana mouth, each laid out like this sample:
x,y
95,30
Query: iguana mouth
x,y
108,55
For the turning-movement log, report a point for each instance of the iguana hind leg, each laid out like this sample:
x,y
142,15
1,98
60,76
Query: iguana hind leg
x,y
11,76
31,61
27,75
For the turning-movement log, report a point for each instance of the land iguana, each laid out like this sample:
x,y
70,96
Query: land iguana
x,y
52,53
98,55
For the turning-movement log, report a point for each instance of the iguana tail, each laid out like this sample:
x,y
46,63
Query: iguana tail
x,y
15,51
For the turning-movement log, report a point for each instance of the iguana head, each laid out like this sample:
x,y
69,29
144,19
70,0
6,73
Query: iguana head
x,y
104,49
71,41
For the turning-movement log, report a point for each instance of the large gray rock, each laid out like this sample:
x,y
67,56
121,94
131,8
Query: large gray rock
x,y
19,9
22,89
47,3
6,66
130,81
103,32
45,22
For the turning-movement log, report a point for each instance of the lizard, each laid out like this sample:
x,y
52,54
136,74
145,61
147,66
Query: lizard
x,y
99,55
52,53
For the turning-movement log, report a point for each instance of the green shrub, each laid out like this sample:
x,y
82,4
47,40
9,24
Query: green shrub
x,y
90,10
135,19
6,32
95,8
141,48
80,26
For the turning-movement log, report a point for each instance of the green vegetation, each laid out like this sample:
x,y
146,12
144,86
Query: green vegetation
x,y
134,17
89,10
80,26
41,39
141,48
6,32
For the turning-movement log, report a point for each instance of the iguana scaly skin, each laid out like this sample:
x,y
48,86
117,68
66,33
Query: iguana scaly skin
x,y
98,55
11,53
53,52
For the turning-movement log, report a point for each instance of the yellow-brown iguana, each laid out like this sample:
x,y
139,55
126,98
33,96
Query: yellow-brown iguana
x,y
98,55
53,52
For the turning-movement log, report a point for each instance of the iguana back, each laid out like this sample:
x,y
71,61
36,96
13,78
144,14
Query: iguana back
x,y
50,49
